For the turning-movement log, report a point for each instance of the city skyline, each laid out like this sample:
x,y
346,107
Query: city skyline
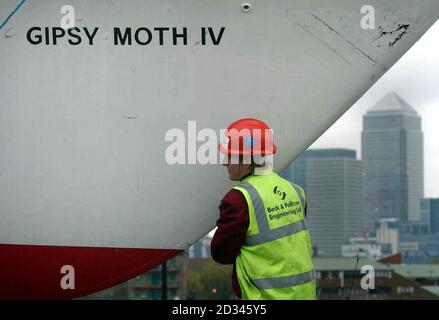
x,y
416,79
391,175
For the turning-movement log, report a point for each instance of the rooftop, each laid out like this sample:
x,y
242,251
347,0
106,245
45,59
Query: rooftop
x,y
346,264
392,102
432,289
417,270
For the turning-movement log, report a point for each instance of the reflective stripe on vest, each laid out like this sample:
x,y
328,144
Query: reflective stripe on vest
x,y
265,233
299,193
283,282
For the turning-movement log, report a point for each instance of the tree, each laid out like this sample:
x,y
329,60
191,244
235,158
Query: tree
x,y
212,282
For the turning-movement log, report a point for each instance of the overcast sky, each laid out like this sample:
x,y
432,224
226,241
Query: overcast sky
x,y
416,79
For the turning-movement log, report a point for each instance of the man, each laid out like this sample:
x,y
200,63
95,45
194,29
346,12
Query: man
x,y
261,228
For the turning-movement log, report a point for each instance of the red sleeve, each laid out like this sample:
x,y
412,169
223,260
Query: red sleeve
x,y
232,225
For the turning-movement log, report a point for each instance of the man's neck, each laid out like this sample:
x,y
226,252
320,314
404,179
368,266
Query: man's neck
x,y
248,174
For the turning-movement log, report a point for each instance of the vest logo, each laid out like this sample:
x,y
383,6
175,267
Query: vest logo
x,y
249,141
278,192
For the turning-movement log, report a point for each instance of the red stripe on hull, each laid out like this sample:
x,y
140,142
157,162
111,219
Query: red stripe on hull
x,y
34,272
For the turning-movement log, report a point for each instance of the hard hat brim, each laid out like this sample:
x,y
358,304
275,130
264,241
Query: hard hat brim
x,y
271,151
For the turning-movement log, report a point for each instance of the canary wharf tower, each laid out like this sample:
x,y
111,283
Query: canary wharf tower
x,y
392,151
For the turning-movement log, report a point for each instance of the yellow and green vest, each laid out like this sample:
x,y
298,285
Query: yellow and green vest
x,y
276,260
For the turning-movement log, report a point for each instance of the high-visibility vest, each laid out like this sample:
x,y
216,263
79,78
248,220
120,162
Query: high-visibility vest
x,y
275,261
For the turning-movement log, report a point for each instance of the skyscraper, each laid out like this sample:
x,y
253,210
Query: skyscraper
x,y
296,171
392,151
333,181
434,216
430,214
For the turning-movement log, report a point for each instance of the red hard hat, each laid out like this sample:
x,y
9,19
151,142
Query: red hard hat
x,y
247,137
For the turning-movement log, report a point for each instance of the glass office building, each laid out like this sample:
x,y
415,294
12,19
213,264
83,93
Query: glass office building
x,y
392,151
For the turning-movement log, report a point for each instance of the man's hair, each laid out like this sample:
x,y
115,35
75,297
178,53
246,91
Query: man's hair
x,y
256,162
